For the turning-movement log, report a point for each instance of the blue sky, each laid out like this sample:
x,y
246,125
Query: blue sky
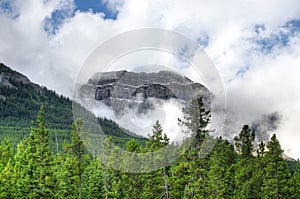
x,y
58,17
279,38
96,6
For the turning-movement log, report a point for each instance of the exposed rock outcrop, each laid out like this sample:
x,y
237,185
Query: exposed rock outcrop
x,y
128,85
7,75
120,89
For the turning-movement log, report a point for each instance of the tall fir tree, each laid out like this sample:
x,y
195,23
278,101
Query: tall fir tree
x,y
220,179
294,182
156,183
6,153
6,169
275,182
93,181
196,119
132,182
34,162
75,161
244,168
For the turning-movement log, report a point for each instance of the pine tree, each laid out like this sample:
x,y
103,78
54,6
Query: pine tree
x,y
21,173
275,182
6,169
33,167
219,179
132,182
196,119
244,142
244,175
93,181
75,161
60,170
294,185
258,170
156,183
6,153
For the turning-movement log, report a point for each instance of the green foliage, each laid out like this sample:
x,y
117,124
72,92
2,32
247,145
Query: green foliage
x,y
93,183
244,168
220,179
35,163
244,142
227,171
277,175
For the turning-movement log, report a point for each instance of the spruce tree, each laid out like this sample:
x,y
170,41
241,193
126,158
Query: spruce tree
x,y
156,183
132,182
220,179
294,182
6,169
275,182
6,153
34,162
244,168
196,119
93,181
75,161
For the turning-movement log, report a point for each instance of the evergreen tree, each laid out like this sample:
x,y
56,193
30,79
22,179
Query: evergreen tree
x,y
244,168
275,183
75,161
34,164
220,179
6,169
93,181
7,181
196,119
6,153
132,182
156,183
258,170
244,142
294,185
21,173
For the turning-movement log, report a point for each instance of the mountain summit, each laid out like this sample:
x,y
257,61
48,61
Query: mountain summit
x,y
162,85
123,89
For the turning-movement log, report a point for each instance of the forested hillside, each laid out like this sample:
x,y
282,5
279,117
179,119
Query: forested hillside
x,y
43,156
230,170
20,101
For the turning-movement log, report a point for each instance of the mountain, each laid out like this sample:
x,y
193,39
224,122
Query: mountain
x,y
127,85
124,90
288,158
20,101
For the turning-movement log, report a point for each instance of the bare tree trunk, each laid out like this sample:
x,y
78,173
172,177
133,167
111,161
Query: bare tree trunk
x,y
56,141
166,184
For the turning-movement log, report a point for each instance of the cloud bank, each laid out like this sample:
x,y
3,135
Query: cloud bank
x,y
254,44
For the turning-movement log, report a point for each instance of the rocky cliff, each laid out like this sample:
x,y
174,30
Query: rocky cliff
x,y
120,89
129,85
8,75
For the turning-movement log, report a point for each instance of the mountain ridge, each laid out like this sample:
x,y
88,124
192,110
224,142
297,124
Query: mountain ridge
x,y
20,101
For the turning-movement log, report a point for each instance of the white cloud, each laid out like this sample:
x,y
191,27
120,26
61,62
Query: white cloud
x,y
268,83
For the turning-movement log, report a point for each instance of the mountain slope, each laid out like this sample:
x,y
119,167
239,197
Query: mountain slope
x,y
20,100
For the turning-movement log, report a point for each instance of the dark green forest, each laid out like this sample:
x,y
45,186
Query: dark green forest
x,y
230,170
43,156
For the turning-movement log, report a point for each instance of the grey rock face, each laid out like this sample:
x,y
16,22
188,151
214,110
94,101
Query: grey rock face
x,y
127,85
7,74
122,89
4,80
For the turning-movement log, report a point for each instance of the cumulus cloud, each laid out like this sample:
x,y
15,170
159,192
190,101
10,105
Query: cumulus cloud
x,y
257,80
